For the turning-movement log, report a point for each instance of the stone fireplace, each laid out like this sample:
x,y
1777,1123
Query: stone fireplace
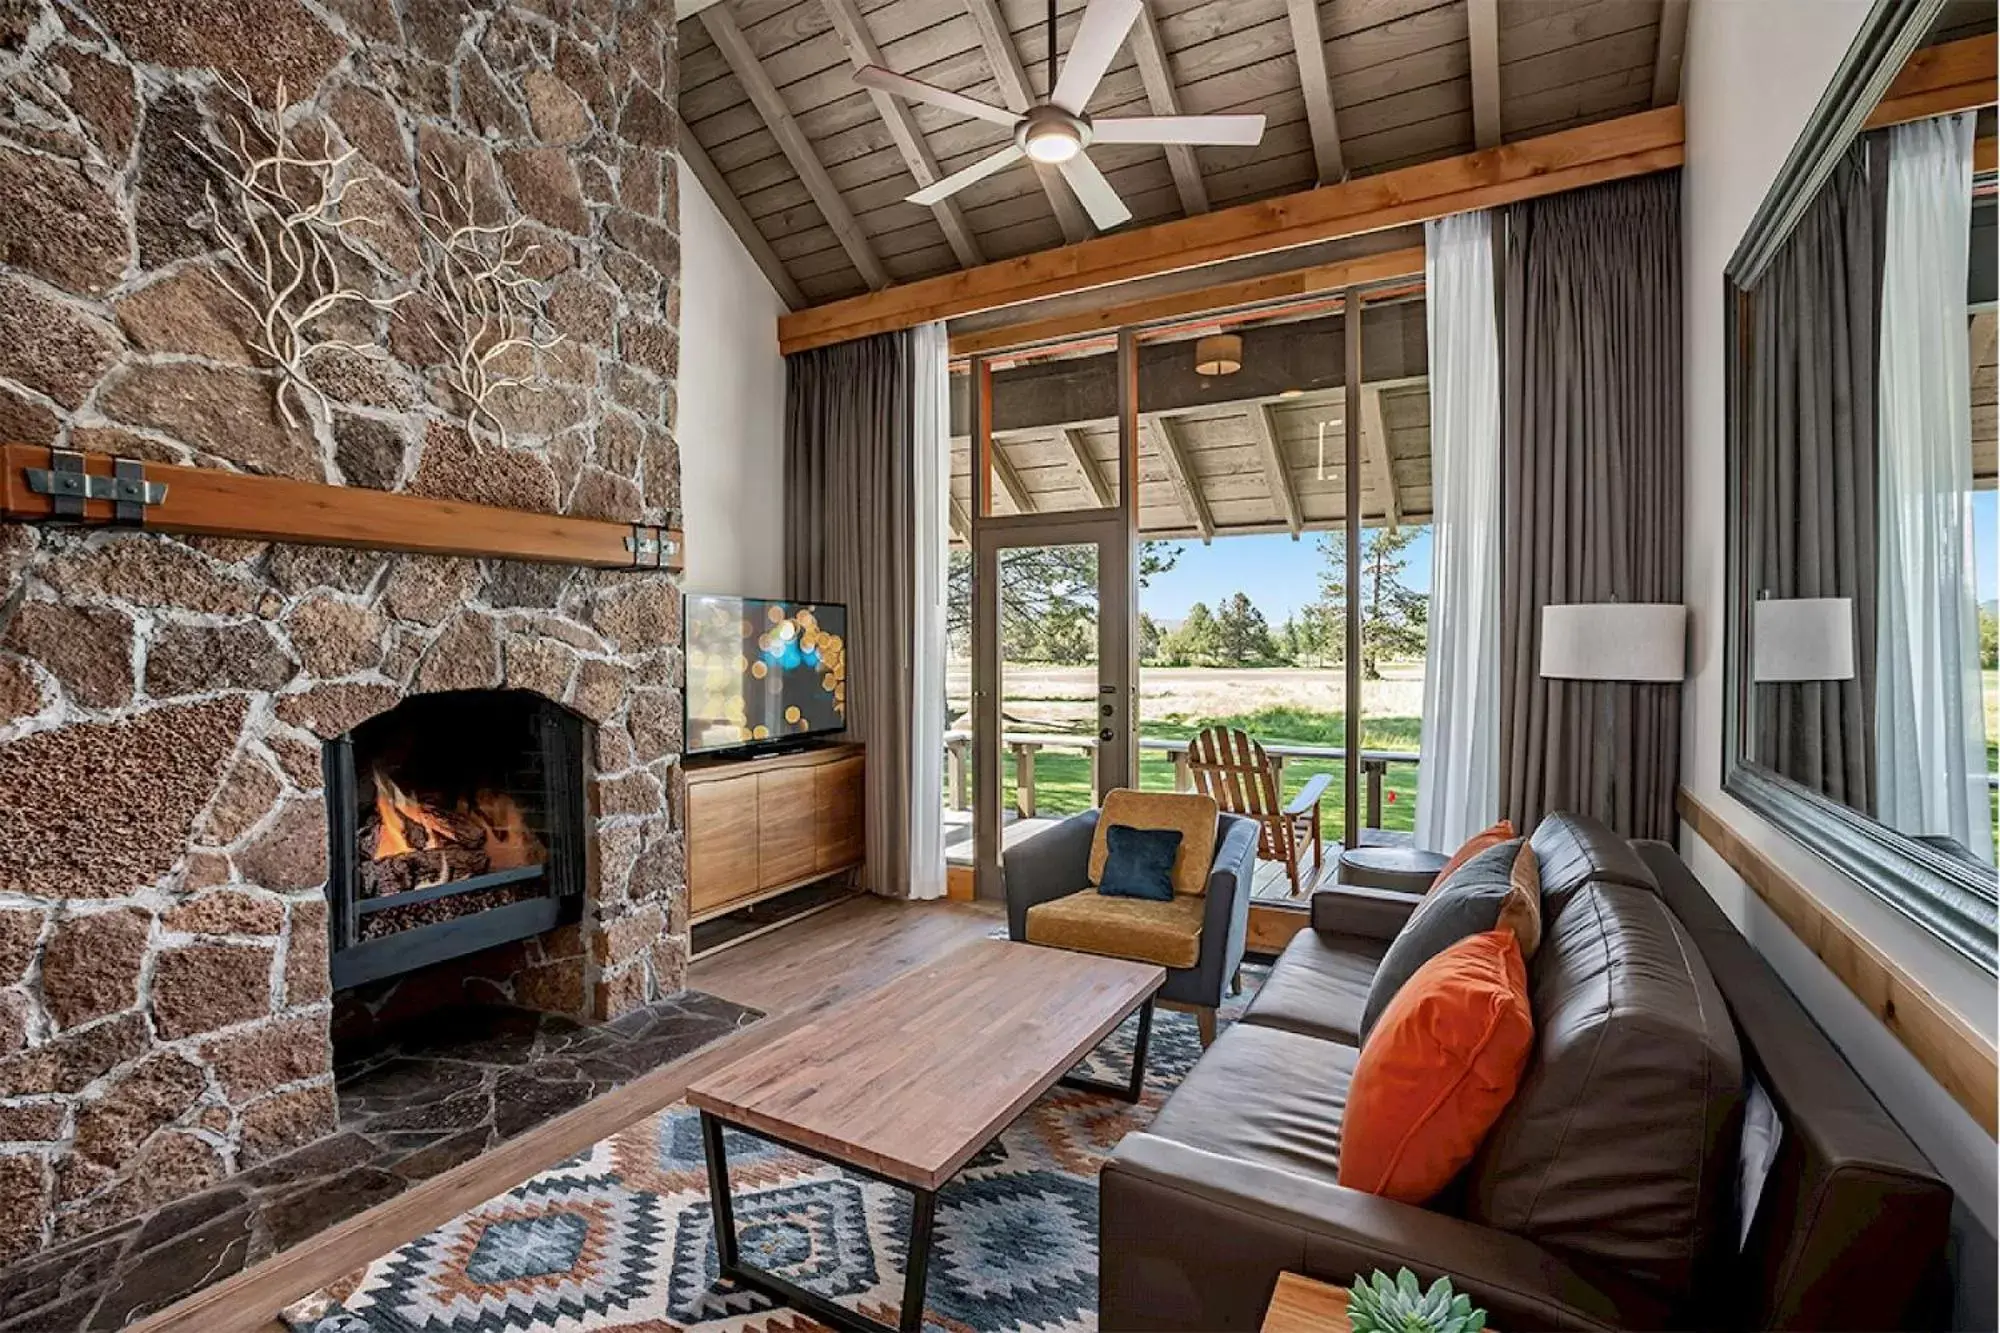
x,y
181,719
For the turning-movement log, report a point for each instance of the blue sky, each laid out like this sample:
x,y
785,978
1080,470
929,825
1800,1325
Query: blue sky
x,y
1281,575
1278,574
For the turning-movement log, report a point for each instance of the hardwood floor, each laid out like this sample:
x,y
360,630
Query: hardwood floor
x,y
790,974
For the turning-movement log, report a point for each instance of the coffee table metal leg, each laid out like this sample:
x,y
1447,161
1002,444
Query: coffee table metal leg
x,y
723,1214
1129,1091
916,1268
731,1265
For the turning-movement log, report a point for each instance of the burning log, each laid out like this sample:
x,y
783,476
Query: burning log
x,y
407,842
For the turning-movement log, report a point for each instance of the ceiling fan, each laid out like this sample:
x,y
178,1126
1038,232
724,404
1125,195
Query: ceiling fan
x,y
1056,130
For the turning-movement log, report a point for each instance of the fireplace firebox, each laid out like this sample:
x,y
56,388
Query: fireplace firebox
x,y
457,824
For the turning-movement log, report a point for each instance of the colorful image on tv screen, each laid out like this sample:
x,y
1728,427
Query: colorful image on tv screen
x,y
760,671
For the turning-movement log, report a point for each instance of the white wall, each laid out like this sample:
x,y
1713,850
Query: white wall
x,y
1753,73
730,419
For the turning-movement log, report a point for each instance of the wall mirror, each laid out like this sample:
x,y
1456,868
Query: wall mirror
x,y
1864,703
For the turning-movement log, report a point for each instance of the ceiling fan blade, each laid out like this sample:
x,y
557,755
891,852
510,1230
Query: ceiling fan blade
x,y
938,191
1099,200
1098,38
888,81
1235,131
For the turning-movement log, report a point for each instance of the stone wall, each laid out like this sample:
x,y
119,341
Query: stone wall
x,y
164,1000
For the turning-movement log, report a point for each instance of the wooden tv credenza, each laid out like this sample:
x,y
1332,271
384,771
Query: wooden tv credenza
x,y
763,826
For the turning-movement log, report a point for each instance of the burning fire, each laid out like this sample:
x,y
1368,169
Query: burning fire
x,y
491,832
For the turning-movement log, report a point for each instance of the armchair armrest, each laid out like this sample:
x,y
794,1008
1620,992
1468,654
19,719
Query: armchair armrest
x,y
1349,909
1310,794
1052,864
1225,921
1191,1240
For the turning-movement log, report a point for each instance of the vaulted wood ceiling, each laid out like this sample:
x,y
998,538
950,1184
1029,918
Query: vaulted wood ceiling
x,y
813,169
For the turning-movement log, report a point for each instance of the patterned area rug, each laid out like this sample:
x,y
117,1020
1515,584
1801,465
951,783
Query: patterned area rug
x,y
619,1237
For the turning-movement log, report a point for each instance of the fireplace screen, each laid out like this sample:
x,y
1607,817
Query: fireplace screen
x,y
457,824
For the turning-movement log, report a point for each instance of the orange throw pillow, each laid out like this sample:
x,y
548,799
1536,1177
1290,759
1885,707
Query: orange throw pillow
x,y
1438,1069
1491,836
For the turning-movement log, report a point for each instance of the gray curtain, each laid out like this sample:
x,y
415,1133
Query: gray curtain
x,y
1810,447
850,513
1590,391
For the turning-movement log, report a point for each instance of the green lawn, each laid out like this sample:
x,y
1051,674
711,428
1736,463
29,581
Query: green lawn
x,y
1062,781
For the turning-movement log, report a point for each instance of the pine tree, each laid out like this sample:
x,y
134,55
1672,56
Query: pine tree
x,y
1393,615
1243,638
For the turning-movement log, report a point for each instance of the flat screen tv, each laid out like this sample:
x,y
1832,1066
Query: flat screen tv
x,y
762,673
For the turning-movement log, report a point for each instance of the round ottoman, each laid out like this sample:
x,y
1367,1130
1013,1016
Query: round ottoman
x,y
1405,869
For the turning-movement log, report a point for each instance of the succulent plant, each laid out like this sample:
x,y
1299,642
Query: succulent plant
x,y
1377,1305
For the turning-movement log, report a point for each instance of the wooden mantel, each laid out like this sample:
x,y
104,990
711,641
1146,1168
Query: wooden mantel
x,y
209,502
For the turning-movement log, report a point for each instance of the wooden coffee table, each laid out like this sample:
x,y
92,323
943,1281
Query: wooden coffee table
x,y
906,1083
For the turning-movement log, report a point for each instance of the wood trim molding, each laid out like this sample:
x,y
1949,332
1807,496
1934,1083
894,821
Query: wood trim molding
x,y
1964,1062
1938,80
1634,145
1272,926
210,502
1313,281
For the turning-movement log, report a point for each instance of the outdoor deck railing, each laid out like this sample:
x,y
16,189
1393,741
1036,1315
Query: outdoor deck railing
x,y
1025,745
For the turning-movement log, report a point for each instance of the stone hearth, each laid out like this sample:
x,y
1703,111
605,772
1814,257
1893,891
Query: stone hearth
x,y
165,1003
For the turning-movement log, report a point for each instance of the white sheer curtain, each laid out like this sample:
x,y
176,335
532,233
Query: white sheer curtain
x,y
931,358
1458,783
1929,722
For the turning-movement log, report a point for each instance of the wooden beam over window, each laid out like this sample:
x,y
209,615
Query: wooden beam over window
x,y
1277,472
1165,100
1938,80
1186,482
1482,21
1375,442
798,150
1309,44
903,130
998,39
1669,51
1330,277
1010,480
1093,476
739,220
1633,145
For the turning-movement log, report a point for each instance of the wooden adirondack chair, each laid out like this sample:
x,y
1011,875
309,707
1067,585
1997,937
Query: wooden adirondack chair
x,y
1233,769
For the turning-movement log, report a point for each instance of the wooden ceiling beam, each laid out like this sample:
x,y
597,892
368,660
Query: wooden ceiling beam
x,y
1319,278
1482,22
1010,481
1375,444
749,71
1093,476
1669,51
1164,98
903,130
1309,44
1277,472
961,523
1610,150
1186,484
739,220
998,40
1938,80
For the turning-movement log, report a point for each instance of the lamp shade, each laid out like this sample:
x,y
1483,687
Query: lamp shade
x,y
1802,638
1218,354
1645,641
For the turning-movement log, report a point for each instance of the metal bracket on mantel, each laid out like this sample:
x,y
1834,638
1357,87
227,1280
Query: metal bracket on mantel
x,y
68,487
654,547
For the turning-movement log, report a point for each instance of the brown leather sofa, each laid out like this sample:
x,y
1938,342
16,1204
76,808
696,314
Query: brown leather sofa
x,y
1606,1197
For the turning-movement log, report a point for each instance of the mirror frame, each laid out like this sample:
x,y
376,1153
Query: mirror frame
x,y
1956,902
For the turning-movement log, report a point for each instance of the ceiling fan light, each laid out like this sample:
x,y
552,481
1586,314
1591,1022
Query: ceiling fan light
x,y
1218,354
1053,143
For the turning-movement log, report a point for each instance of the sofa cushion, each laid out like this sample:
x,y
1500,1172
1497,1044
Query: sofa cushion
x,y
1192,813
1521,910
1438,1070
1468,903
1318,985
1490,836
1620,1148
1264,1096
1574,850
1167,933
